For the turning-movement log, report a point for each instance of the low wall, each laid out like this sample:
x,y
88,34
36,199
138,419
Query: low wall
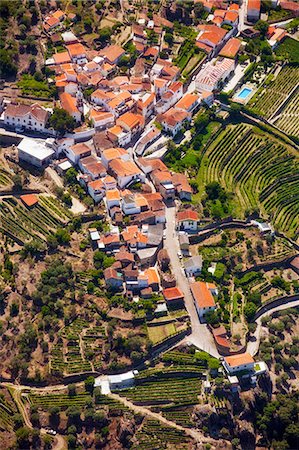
x,y
274,303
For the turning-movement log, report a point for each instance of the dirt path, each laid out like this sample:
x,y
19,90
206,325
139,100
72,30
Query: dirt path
x,y
197,435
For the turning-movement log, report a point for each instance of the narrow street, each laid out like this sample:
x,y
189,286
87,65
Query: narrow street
x,y
200,336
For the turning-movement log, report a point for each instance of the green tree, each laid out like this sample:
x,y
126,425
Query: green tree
x,y
89,384
61,121
250,310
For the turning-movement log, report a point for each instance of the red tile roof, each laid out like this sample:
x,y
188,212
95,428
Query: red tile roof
x,y
202,295
187,214
172,293
29,199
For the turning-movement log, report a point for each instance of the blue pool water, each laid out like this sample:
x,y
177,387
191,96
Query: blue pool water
x,y
244,93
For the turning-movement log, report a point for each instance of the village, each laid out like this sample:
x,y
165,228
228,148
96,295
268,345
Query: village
x,y
113,140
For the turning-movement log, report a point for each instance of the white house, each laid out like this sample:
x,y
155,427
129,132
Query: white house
x,y
114,153
125,172
203,298
187,220
236,363
173,120
77,151
96,190
35,153
29,117
129,205
193,266
112,198
215,72
101,119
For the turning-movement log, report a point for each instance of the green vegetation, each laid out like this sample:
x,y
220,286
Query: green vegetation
x,y
158,333
288,50
261,171
61,121
40,222
30,86
288,119
269,97
155,435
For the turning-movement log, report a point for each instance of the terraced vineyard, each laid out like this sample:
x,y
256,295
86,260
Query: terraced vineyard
x,y
7,411
22,224
288,120
70,354
154,435
5,178
269,98
259,170
63,401
180,391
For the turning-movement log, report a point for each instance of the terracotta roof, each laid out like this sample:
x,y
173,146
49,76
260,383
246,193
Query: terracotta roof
x,y
131,120
231,16
61,58
124,255
254,4
21,110
114,153
187,101
219,13
291,6
58,14
219,331
112,53
238,360
96,185
234,7
211,33
202,295
187,214
173,293
223,341
203,46
112,194
80,149
110,273
124,168
151,52
29,199
76,50
52,21
231,48
152,275
68,103
173,117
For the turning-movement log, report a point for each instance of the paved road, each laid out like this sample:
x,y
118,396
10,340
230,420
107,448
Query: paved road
x,y
200,336
253,345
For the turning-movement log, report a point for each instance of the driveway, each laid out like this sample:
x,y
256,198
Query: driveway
x,y
200,336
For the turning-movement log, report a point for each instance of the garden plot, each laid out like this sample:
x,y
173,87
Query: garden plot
x,y
288,120
154,435
271,95
260,171
79,349
23,224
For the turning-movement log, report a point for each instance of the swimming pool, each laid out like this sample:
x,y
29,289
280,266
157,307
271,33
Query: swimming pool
x,y
244,93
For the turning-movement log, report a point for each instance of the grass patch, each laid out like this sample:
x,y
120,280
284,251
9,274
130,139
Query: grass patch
x,y
158,333
29,86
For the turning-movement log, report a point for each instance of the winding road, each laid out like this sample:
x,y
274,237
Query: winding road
x,y
254,343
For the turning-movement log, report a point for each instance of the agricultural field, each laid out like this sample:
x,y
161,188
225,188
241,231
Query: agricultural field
x,y
22,224
154,435
158,333
288,50
5,178
78,349
7,410
288,119
261,171
274,91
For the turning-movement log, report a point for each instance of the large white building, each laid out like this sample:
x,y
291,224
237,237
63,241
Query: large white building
x,y
215,72
28,117
36,153
237,363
